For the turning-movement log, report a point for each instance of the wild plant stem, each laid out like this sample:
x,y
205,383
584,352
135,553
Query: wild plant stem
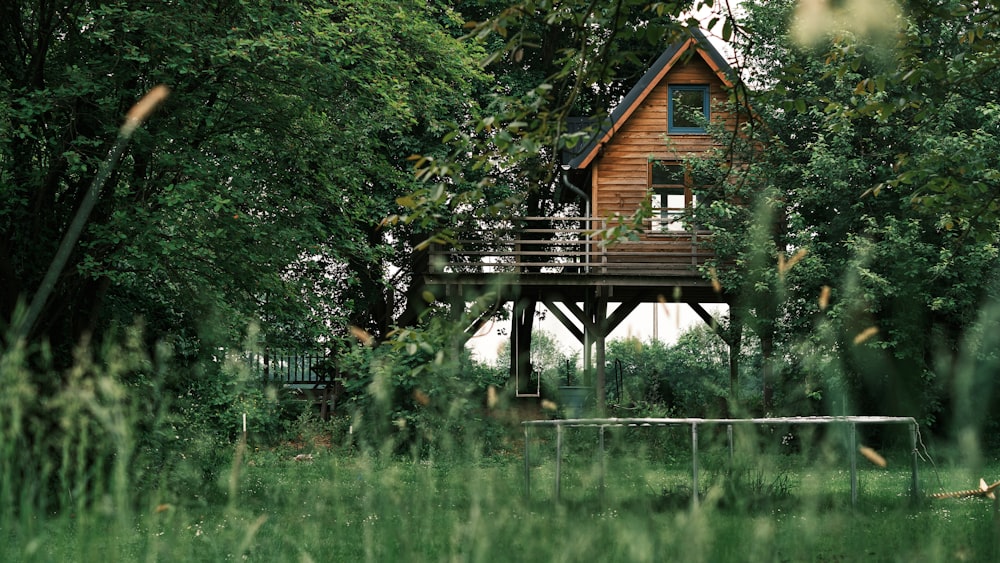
x,y
69,239
133,119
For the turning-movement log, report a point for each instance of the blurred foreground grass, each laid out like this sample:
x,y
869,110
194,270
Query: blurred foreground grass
x,y
345,505
108,480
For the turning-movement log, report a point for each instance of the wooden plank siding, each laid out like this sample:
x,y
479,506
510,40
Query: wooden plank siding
x,y
620,175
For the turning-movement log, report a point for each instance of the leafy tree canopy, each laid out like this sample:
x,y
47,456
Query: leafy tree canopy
x,y
256,191
858,226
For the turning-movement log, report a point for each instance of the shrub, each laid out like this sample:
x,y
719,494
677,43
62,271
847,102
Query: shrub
x,y
421,392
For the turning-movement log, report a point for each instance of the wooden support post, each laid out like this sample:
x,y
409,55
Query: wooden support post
x,y
456,304
520,349
601,316
734,339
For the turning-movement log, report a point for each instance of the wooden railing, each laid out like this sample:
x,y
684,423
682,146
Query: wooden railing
x,y
571,246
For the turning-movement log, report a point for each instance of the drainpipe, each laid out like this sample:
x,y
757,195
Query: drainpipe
x,y
570,185
586,268
586,213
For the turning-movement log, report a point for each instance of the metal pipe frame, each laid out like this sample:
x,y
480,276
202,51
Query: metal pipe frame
x,y
602,423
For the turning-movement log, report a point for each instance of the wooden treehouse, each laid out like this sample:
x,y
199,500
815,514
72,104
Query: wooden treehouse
x,y
588,282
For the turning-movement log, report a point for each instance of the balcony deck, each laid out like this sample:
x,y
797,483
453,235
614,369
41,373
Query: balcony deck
x,y
566,257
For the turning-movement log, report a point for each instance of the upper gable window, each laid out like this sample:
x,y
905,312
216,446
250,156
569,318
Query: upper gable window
x,y
687,109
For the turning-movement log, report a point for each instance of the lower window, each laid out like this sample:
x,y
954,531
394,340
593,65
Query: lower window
x,y
671,196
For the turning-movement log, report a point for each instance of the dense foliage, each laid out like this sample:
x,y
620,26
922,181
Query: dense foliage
x,y
689,378
856,264
422,393
856,214
251,198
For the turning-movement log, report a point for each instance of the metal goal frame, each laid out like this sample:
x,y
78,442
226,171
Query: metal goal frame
x,y
851,422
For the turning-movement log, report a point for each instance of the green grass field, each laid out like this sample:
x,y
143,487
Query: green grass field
x,y
346,505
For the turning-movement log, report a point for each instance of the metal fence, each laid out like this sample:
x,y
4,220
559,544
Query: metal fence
x,y
290,367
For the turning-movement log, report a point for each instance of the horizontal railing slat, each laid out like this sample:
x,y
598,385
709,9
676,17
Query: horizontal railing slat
x,y
551,245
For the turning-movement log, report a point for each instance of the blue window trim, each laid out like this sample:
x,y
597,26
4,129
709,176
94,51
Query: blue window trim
x,y
670,107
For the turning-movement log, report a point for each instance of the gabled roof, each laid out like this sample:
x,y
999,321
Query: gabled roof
x,y
676,52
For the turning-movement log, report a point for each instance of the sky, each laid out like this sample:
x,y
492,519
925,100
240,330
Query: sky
x,y
669,321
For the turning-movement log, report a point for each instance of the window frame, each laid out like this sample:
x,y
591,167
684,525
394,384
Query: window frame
x,y
705,91
668,220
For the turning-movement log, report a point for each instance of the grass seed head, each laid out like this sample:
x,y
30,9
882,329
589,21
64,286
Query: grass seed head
x,y
141,110
716,284
421,397
872,456
865,334
824,298
362,335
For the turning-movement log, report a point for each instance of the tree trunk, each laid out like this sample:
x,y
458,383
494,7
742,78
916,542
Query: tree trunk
x,y
767,368
735,346
520,347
